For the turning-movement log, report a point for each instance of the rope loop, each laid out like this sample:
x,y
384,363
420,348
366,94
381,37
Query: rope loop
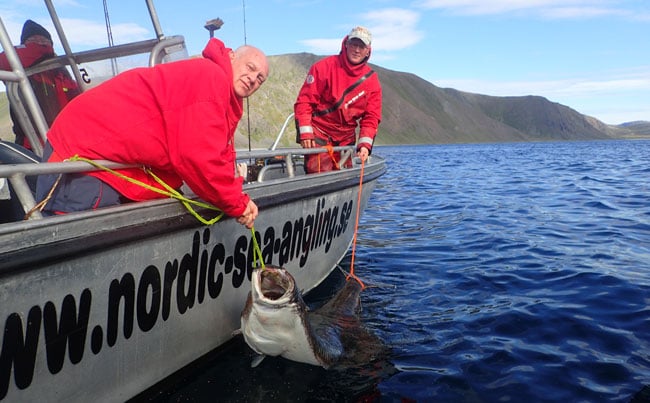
x,y
356,229
257,252
330,151
169,191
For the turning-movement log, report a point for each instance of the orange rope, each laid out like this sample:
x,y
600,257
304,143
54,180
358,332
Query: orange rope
x,y
330,151
356,228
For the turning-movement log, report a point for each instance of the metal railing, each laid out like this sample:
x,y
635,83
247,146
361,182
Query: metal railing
x,y
17,173
20,94
284,126
30,116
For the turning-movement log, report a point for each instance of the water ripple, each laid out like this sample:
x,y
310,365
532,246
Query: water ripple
x,y
495,273
520,272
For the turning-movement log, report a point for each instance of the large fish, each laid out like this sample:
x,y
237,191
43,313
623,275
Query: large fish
x,y
277,322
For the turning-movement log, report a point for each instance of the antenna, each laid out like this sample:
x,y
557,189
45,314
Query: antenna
x,y
248,108
109,33
243,3
213,25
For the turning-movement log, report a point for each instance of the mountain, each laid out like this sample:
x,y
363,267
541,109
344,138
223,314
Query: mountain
x,y
640,127
5,119
415,111
418,112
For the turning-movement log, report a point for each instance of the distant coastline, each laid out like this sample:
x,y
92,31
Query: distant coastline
x,y
417,112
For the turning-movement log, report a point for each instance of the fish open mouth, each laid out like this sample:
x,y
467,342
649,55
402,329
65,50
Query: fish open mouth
x,y
274,284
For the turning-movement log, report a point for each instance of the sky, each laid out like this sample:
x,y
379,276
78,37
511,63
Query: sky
x,y
590,55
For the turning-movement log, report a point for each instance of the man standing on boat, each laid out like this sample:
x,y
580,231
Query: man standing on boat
x,y
340,93
177,119
53,88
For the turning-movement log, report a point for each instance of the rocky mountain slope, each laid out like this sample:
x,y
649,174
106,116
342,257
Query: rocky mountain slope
x,y
415,112
418,112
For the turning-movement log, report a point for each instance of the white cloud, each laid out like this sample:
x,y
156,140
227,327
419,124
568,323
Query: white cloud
x,y
92,33
80,32
612,82
322,46
617,97
545,8
581,12
392,29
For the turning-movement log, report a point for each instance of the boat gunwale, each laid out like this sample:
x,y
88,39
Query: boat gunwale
x,y
55,237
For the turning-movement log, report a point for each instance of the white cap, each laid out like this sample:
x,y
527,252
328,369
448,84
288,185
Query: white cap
x,y
361,33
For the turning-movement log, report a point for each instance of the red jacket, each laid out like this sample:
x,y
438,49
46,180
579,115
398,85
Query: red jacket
x,y
53,88
29,54
178,119
326,81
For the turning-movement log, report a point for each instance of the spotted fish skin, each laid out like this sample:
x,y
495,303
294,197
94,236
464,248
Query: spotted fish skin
x,y
277,322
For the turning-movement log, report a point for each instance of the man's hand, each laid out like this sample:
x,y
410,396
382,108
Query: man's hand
x,y
363,154
248,217
308,144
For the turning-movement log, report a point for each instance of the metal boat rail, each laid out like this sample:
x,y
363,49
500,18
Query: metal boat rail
x,y
100,305
285,160
21,95
279,136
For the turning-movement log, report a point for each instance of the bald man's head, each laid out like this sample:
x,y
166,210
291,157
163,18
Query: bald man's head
x,y
249,68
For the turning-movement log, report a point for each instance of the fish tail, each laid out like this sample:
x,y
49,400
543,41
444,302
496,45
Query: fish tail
x,y
355,277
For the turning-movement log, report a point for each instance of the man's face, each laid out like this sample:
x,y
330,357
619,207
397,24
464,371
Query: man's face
x,y
249,69
356,50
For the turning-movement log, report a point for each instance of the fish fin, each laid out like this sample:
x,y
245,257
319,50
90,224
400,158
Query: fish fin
x,y
327,345
257,360
236,332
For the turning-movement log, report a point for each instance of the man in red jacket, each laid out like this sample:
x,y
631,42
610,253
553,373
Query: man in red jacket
x,y
178,119
53,88
340,93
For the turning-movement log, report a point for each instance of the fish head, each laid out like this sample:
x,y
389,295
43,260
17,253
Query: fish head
x,y
274,320
273,286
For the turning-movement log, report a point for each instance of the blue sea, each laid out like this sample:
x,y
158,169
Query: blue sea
x,y
496,273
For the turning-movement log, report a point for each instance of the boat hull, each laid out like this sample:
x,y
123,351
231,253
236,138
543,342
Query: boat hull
x,y
105,304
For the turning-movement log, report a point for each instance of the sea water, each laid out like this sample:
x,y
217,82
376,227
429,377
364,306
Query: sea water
x,y
497,273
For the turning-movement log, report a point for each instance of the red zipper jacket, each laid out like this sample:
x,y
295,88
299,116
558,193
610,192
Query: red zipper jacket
x,y
29,54
53,88
326,81
178,119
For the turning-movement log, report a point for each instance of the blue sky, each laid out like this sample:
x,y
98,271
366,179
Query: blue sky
x,y
591,55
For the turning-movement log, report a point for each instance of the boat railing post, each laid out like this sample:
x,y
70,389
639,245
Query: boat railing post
x,y
66,45
25,88
284,126
156,55
24,193
345,155
290,169
154,19
22,117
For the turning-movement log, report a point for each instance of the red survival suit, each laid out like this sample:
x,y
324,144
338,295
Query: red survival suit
x,y
326,82
178,119
53,88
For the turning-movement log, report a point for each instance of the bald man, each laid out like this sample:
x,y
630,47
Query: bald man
x,y
178,119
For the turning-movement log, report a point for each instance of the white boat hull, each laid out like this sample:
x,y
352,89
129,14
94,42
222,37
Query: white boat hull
x,y
102,305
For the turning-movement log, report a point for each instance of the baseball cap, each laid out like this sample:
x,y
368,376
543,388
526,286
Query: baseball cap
x,y
361,33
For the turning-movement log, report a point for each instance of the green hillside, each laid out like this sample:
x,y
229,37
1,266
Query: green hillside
x,y
639,128
5,119
415,112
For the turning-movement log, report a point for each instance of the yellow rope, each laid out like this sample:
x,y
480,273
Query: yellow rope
x,y
257,252
173,193
169,191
